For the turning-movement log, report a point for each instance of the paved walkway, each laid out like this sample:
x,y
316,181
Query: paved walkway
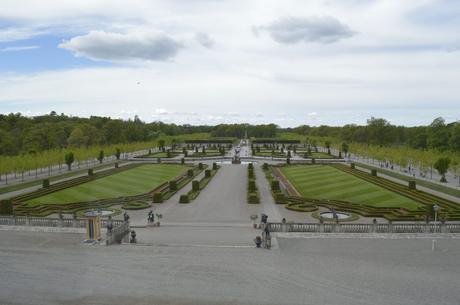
x,y
58,269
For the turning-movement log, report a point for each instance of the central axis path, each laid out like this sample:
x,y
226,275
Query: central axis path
x,y
223,201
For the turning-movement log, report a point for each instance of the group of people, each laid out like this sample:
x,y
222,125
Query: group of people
x,y
151,217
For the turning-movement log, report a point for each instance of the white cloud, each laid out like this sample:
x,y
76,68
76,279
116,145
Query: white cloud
x,y
325,29
18,48
19,33
101,45
393,68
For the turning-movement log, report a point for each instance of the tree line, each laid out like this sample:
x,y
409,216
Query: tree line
x,y
378,131
23,135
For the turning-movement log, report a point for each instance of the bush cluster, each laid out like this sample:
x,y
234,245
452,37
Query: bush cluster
x,y
253,192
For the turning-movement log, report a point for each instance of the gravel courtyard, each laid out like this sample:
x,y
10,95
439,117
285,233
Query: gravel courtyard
x,y
53,268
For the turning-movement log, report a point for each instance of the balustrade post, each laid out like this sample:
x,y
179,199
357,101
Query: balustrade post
x,y
427,228
390,227
321,227
443,228
27,220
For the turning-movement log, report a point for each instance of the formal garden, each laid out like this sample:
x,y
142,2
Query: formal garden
x,y
345,188
133,186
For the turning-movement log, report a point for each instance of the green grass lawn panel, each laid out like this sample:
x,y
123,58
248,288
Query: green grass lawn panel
x,y
135,181
325,182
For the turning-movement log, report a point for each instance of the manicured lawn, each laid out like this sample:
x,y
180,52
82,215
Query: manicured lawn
x,y
135,181
325,182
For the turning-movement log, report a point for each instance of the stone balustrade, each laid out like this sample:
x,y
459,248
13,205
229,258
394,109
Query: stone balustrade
x,y
364,228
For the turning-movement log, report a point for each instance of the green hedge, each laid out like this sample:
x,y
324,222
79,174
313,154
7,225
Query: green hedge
x,y
157,197
184,198
173,185
253,197
275,185
46,183
136,205
6,207
195,185
198,186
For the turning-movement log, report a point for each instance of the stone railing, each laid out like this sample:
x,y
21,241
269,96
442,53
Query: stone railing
x,y
364,228
50,222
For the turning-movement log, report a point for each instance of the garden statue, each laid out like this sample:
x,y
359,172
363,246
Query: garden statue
x,y
126,216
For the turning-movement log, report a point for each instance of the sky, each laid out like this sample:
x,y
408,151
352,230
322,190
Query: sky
x,y
289,62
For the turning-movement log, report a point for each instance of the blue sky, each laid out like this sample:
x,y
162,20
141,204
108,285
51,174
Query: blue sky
x,y
291,62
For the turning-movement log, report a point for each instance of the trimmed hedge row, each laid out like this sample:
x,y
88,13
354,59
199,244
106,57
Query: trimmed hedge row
x,y
198,186
277,194
136,205
253,195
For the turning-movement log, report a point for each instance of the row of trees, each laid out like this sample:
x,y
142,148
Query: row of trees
x,y
20,134
438,135
241,130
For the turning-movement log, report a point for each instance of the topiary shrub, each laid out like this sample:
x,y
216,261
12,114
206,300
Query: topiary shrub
x,y
157,197
182,161
214,166
253,198
275,185
6,207
116,165
352,166
340,155
250,173
250,166
374,172
280,198
184,198
173,185
195,185
200,165
313,161
288,161
251,185
207,173
190,173
265,166
158,160
46,183
412,185
90,172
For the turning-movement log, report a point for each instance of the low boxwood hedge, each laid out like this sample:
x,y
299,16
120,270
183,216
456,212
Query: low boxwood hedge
x,y
184,198
157,197
136,205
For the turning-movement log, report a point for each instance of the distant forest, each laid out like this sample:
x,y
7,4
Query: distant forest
x,y
438,135
21,134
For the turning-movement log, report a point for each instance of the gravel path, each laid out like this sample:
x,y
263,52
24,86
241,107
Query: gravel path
x,y
52,268
223,200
